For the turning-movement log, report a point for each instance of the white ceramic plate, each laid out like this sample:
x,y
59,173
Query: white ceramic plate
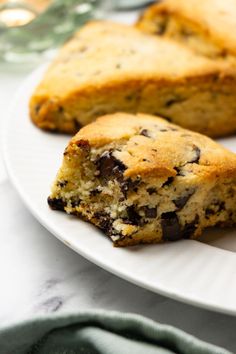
x,y
199,273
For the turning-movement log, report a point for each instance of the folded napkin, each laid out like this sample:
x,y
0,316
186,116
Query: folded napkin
x,y
95,332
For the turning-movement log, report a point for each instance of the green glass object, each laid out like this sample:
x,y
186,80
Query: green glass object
x,y
28,28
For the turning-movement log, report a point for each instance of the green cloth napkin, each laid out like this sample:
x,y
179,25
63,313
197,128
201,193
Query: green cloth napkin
x,y
99,332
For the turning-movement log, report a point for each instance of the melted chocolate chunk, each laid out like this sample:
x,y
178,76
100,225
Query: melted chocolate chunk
x,y
186,32
215,208
129,185
62,184
150,213
190,228
197,155
181,201
60,109
56,203
171,230
129,97
179,171
162,26
105,222
168,181
106,225
174,100
95,192
145,132
77,125
133,217
75,203
109,166
37,108
151,190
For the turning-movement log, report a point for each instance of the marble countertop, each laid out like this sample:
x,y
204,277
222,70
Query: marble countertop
x,y
39,274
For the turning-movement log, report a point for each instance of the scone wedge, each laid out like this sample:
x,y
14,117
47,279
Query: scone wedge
x,y
109,67
206,26
143,180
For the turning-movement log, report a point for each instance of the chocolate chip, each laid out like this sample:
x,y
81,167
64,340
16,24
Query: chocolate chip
x,y
186,32
179,171
151,190
190,228
215,208
37,108
109,166
133,216
95,192
209,212
129,185
77,125
145,132
174,100
171,230
56,203
170,102
60,109
105,225
221,206
162,26
197,155
181,201
168,181
83,145
62,184
150,213
129,97
104,221
75,203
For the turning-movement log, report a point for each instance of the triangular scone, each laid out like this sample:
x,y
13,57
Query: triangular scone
x,y
143,180
109,67
207,26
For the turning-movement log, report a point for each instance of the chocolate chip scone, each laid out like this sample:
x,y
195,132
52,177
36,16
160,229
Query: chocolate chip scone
x,y
207,26
141,179
108,67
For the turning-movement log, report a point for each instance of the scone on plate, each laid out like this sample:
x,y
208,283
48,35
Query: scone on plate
x,y
141,179
109,67
207,26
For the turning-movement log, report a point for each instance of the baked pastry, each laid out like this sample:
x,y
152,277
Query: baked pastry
x,y
141,179
109,67
206,26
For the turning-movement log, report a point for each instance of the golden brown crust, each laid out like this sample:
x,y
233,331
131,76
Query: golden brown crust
x,y
125,69
163,152
213,20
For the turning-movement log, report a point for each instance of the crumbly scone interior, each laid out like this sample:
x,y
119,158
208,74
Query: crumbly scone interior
x,y
144,208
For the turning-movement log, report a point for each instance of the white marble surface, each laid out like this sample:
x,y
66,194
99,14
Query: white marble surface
x,y
39,274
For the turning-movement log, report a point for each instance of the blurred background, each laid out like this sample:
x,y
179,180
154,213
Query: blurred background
x,y
30,28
